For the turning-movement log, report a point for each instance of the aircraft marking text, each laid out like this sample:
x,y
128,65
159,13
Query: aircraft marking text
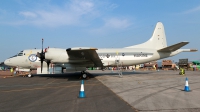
x,y
140,55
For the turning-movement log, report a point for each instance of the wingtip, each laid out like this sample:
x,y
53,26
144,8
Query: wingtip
x,y
94,48
193,50
186,41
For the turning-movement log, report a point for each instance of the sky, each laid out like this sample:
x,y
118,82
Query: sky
x,y
96,23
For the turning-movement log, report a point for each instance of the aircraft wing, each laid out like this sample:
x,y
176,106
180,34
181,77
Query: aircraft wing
x,y
173,47
89,54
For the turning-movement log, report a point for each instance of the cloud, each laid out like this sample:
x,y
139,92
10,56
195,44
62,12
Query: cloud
x,y
72,13
113,6
28,14
69,14
196,9
81,7
117,23
112,24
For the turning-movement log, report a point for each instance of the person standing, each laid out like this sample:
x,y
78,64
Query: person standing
x,y
11,70
17,70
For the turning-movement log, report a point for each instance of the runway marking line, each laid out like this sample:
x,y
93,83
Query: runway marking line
x,y
45,88
6,77
50,82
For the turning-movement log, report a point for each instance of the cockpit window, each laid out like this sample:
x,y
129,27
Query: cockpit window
x,y
20,54
13,56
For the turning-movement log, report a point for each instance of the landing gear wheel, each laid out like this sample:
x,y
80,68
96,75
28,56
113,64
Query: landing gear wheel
x,y
29,75
84,75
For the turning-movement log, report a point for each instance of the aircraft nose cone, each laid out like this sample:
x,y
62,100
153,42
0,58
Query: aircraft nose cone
x,y
7,62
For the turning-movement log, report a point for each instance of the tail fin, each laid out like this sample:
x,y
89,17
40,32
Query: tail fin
x,y
157,41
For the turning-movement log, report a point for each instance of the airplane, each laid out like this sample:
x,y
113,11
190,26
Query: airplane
x,y
78,58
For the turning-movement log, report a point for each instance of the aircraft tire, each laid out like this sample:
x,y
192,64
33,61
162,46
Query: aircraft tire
x,y
84,75
29,75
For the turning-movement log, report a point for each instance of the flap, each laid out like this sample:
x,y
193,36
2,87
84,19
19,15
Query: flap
x,y
173,47
89,54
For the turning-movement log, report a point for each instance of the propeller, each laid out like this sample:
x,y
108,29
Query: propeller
x,y
41,56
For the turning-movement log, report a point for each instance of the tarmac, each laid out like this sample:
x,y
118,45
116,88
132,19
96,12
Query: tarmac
x,y
57,93
140,91
152,91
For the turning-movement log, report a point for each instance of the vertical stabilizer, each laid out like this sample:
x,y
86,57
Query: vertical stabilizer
x,y
157,41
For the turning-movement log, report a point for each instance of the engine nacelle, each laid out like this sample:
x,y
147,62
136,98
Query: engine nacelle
x,y
56,55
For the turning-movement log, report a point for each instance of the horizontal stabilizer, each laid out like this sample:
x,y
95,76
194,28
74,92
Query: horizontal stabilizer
x,y
173,47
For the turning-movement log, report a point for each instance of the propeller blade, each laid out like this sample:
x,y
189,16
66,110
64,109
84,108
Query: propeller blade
x,y
42,46
41,65
38,55
48,62
42,56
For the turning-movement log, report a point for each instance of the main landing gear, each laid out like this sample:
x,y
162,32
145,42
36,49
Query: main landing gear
x,y
29,75
84,75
